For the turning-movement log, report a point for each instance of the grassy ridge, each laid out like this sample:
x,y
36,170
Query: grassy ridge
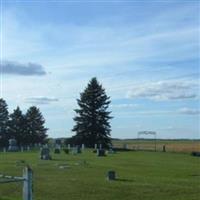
x,y
141,176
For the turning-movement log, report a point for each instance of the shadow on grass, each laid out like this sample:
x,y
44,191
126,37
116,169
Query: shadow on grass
x,y
195,175
123,180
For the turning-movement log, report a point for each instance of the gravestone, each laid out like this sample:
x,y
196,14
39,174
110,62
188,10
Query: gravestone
x,y
83,147
100,152
100,146
76,150
57,146
13,145
125,146
95,146
111,175
69,146
45,154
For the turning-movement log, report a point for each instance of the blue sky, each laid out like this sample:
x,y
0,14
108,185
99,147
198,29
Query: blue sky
x,y
145,53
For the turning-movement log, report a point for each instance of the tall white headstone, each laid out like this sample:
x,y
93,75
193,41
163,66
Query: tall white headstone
x,y
83,146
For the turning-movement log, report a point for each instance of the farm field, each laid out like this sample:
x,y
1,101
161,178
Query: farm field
x,y
140,176
183,146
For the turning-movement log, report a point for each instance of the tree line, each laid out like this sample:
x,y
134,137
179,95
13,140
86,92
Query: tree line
x,y
27,129
92,121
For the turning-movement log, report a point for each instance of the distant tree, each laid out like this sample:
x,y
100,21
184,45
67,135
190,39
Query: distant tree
x,y
17,127
92,120
4,116
35,129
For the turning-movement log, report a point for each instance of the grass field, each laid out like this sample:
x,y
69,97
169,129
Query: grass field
x,y
141,176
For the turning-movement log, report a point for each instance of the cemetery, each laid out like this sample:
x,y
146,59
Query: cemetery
x,y
85,175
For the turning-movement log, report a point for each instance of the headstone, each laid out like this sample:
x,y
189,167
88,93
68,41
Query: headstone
x,y
69,146
100,152
76,150
83,147
28,148
45,154
57,146
22,149
100,146
13,145
4,149
95,146
125,146
111,175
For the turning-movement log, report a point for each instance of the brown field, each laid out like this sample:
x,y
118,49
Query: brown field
x,y
185,146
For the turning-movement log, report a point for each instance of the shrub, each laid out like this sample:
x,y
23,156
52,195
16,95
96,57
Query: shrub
x,y
57,151
66,151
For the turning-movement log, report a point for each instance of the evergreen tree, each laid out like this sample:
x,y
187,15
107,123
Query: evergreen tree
x,y
17,127
4,116
35,126
92,120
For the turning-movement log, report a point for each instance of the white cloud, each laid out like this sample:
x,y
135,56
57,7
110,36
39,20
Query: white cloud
x,y
165,90
41,100
124,105
189,111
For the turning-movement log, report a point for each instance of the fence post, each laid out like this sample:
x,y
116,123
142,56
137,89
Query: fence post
x,y
28,184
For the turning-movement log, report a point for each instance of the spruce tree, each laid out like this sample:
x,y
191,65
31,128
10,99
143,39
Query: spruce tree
x,y
92,118
4,116
35,126
17,127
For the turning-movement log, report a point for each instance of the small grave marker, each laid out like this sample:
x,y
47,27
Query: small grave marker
x,y
100,152
45,154
111,175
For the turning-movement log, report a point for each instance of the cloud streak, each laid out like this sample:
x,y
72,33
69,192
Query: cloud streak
x,y
28,69
189,111
165,90
41,100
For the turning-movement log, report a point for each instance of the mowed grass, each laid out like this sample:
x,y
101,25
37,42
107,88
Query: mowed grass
x,y
140,176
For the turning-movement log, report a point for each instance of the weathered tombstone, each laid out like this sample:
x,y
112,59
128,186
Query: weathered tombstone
x,y
111,175
4,149
164,149
95,146
28,148
57,146
100,146
100,152
13,145
22,149
69,146
82,146
76,150
45,154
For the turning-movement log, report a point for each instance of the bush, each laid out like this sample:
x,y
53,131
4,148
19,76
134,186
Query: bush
x,y
66,151
57,151
195,153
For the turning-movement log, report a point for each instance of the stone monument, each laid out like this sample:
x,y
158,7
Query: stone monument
x,y
45,154
13,145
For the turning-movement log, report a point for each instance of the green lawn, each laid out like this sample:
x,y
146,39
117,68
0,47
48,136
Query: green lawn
x,y
141,176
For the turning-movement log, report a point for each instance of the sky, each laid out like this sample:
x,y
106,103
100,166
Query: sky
x,y
144,53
